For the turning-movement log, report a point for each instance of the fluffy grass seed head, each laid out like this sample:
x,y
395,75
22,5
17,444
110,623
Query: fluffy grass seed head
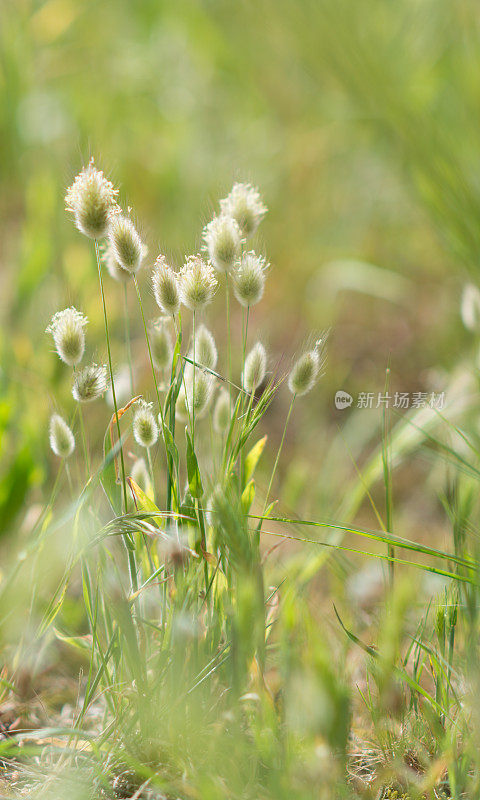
x,y
62,440
90,383
245,205
470,307
205,348
307,369
125,244
197,283
115,270
204,385
139,473
222,412
91,200
181,411
165,287
223,242
249,279
161,343
67,329
255,367
145,428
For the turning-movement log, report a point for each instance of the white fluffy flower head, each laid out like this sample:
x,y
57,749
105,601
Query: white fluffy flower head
x,y
161,343
181,411
67,329
141,476
197,283
470,307
245,205
223,242
62,440
199,399
90,383
255,367
222,412
145,428
115,270
205,348
165,287
91,200
249,279
125,243
307,369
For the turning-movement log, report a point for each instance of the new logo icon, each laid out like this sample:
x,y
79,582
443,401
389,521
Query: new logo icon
x,y
343,400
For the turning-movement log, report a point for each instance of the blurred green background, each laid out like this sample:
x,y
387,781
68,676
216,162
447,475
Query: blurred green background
x,y
359,121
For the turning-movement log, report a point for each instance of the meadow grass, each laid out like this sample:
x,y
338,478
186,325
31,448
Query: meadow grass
x,y
193,662
177,620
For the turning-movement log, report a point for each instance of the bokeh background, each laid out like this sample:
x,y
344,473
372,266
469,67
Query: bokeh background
x,y
359,121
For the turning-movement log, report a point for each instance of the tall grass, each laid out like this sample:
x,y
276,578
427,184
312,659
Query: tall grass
x,y
196,666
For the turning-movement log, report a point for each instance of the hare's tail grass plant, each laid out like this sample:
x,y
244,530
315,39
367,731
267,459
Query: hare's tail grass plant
x,y
199,678
190,380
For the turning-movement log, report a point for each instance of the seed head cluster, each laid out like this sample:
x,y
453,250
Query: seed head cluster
x,y
165,287
249,279
92,200
161,344
145,428
197,283
140,475
306,369
205,348
200,395
245,205
255,368
223,242
115,270
125,244
62,440
470,307
222,412
67,329
90,383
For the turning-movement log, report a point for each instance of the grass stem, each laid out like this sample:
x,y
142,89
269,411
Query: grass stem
x,y
131,555
128,341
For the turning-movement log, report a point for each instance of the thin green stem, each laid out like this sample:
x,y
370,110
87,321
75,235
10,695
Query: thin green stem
x,y
84,437
229,339
69,476
187,405
193,387
147,339
245,319
131,555
178,332
84,440
150,466
245,334
107,337
277,458
128,342
162,419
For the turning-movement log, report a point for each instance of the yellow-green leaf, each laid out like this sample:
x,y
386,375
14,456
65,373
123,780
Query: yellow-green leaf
x,y
253,458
